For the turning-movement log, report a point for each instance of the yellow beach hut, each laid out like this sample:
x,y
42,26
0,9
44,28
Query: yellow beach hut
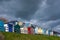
x,y
40,30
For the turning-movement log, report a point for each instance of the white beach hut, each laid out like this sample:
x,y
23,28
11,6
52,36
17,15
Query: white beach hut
x,y
6,27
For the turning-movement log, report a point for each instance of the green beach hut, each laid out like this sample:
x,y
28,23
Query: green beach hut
x,y
17,28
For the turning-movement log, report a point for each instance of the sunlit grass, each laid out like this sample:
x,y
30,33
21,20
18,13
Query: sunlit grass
x,y
17,36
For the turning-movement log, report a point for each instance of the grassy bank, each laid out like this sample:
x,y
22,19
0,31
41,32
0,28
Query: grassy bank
x,y
16,36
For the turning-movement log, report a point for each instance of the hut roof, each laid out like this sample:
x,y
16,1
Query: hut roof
x,y
4,19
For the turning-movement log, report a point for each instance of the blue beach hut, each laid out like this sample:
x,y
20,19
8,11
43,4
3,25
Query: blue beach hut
x,y
44,31
48,32
10,27
1,25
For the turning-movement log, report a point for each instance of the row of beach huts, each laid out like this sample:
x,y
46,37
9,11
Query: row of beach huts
x,y
24,28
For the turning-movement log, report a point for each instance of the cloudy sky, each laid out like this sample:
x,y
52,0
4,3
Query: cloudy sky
x,y
45,13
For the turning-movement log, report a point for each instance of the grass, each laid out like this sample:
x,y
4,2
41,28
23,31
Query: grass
x,y
17,36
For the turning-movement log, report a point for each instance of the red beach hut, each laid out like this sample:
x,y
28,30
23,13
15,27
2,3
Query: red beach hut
x,y
30,30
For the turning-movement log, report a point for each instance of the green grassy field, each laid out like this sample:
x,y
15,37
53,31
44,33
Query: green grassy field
x,y
16,36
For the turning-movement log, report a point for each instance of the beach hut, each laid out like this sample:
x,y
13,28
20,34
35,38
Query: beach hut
x,y
51,33
40,30
36,30
13,23
30,30
6,27
10,26
25,30
48,32
44,31
2,26
17,28
56,33
22,30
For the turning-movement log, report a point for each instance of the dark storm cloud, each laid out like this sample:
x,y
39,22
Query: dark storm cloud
x,y
19,8
29,8
9,8
48,14
49,11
